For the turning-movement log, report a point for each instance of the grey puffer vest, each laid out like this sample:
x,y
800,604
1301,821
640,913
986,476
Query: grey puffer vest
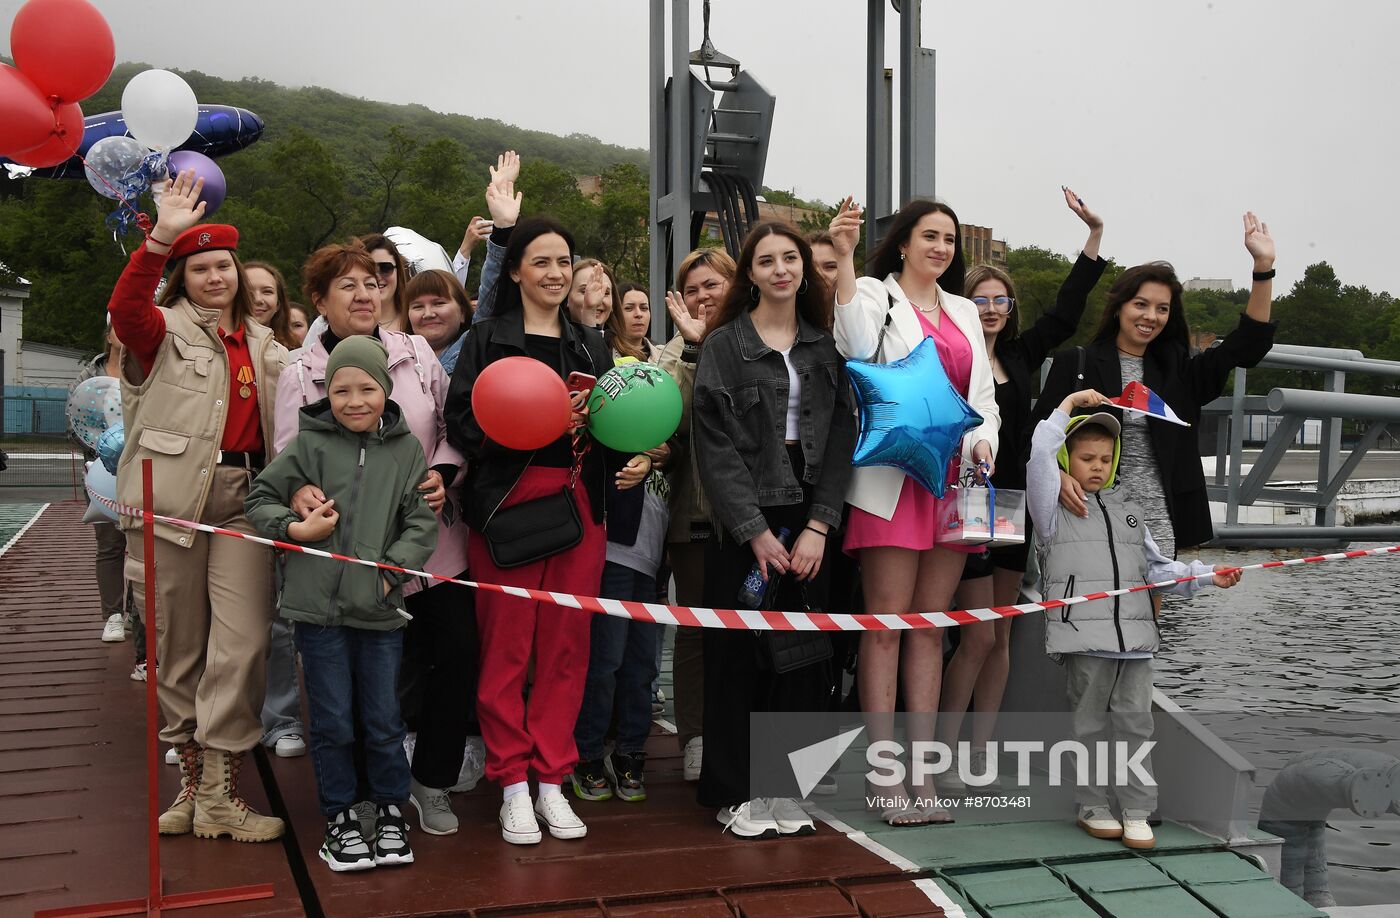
x,y
1103,551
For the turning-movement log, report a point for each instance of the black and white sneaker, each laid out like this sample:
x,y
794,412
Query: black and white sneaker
x,y
391,837
344,848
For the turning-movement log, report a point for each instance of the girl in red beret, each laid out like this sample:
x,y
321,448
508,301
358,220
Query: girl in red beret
x,y
198,381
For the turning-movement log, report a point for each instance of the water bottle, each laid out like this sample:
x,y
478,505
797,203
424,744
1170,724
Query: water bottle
x,y
755,589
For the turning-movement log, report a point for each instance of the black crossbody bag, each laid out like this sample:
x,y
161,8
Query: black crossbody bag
x,y
536,529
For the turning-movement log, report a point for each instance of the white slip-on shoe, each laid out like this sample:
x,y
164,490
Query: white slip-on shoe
x,y
556,813
790,817
1098,821
518,823
750,819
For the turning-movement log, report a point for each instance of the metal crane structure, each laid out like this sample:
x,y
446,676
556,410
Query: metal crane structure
x,y
709,141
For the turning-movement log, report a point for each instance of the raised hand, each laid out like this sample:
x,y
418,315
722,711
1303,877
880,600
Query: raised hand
x,y
845,227
477,230
504,203
180,208
1076,204
598,285
507,168
1084,398
691,328
1258,242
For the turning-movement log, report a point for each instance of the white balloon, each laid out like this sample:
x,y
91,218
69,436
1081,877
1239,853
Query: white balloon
x,y
160,109
420,253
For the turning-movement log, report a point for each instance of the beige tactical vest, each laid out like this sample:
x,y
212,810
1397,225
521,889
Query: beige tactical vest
x,y
175,415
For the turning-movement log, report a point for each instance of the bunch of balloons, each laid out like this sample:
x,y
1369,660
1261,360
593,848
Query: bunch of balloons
x,y
95,417
522,404
63,52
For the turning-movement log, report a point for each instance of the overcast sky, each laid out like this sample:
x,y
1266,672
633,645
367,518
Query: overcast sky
x,y
1169,118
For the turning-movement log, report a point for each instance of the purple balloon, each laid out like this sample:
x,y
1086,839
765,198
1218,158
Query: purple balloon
x,y
215,189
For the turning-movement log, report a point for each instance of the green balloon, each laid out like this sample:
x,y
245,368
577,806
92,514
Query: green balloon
x,y
634,407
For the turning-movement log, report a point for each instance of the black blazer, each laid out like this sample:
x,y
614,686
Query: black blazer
x,y
1020,359
1186,382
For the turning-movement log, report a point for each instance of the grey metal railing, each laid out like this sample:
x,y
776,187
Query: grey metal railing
x,y
1332,405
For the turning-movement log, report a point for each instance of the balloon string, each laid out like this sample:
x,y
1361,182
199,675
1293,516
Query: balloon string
x,y
142,220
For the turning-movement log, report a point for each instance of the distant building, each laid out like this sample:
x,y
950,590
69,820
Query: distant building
x,y
979,248
29,364
1220,284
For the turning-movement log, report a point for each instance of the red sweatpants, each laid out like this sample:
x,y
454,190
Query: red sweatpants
x,y
539,739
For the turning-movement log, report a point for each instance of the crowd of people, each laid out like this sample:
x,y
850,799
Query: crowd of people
x,y
348,425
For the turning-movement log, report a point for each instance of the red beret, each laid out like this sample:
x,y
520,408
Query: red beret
x,y
206,237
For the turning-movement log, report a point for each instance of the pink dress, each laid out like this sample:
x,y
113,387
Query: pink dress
x,y
915,520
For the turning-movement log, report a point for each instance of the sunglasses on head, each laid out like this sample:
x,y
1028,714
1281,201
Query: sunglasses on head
x,y
385,267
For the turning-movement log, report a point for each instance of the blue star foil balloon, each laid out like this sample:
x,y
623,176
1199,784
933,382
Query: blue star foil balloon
x,y
911,417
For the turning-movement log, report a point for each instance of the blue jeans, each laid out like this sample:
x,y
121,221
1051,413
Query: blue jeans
x,y
345,666
621,666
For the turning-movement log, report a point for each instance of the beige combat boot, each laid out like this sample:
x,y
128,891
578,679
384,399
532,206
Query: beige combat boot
x,y
179,819
219,809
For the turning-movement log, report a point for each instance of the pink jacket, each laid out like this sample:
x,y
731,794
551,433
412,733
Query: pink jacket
x,y
420,389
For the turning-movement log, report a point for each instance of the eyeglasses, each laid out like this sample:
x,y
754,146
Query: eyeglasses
x,y
385,267
1001,305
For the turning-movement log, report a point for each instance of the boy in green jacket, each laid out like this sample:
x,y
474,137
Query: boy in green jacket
x,y
355,446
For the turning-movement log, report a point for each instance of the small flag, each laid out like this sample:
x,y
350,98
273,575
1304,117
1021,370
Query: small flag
x,y
1139,399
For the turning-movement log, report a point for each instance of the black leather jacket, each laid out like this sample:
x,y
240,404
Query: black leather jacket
x,y
492,469
739,416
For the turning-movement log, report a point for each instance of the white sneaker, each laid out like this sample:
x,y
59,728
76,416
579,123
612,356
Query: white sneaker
x,y
172,756
138,672
518,824
1098,821
750,819
290,746
115,630
473,766
694,752
790,817
554,809
1136,832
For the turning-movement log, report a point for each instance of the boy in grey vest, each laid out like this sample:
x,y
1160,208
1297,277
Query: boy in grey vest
x,y
1105,644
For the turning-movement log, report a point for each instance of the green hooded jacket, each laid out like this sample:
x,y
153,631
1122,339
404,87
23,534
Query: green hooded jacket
x,y
373,478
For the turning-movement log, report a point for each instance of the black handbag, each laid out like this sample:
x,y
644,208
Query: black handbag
x,y
533,530
783,652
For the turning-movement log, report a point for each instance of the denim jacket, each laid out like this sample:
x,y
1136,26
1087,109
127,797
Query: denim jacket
x,y
739,418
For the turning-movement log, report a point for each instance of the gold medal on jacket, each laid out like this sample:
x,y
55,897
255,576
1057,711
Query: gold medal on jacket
x,y
245,376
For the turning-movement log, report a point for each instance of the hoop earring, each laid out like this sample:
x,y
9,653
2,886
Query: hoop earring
x,y
753,292
802,287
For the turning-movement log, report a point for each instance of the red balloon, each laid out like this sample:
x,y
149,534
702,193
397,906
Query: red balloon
x,y
521,403
64,46
63,141
26,119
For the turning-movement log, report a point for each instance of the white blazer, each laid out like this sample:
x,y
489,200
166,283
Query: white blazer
x,y
875,489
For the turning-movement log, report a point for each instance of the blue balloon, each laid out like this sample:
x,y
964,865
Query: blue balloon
x,y
911,417
220,129
103,483
109,447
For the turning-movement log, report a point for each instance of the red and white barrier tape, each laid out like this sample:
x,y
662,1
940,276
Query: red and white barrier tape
x,y
750,619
